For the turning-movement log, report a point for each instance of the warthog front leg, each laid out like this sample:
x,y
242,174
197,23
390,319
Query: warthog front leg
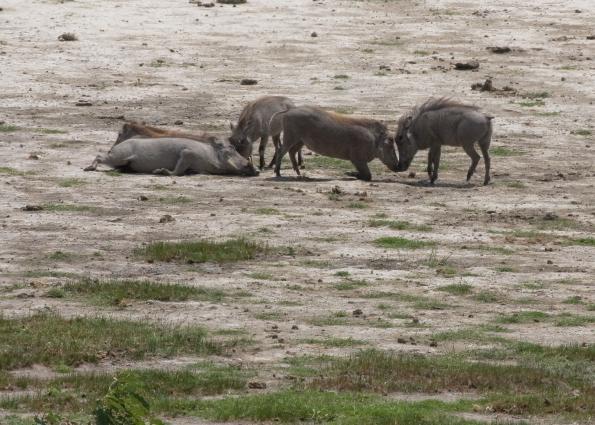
x,y
276,144
98,160
430,163
187,157
363,171
261,148
435,154
470,150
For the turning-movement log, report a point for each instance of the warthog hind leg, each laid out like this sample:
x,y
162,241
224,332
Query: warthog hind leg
x,y
430,163
470,150
484,145
98,160
184,163
276,144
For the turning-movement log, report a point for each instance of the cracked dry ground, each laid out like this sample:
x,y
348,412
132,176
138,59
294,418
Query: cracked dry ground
x,y
480,308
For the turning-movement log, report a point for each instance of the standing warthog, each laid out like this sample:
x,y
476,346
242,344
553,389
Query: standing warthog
x,y
175,156
255,122
358,140
440,122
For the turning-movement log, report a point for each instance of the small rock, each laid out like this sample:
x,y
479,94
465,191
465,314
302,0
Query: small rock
x,y
248,82
83,103
465,66
433,344
142,198
499,49
550,262
357,312
411,175
314,34
548,249
32,208
67,36
485,86
257,385
550,216
166,219
401,340
178,122
33,156
591,37
294,328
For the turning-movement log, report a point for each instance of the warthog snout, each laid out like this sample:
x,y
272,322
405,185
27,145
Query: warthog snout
x,y
250,171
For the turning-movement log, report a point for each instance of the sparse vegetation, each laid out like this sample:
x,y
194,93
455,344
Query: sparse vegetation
x,y
392,242
457,289
239,249
399,225
115,292
49,339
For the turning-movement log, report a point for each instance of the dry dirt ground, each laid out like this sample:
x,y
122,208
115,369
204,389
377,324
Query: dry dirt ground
x,y
525,242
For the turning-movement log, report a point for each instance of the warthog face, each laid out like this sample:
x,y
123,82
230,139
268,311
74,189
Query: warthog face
x,y
239,140
387,153
125,133
405,144
232,160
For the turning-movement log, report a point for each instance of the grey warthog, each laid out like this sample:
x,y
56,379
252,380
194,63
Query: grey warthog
x,y
440,122
255,122
174,156
358,140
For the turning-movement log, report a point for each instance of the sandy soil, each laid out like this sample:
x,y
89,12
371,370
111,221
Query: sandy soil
x,y
163,61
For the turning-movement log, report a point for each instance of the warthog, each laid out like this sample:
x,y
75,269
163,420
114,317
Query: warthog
x,y
255,122
175,156
440,122
358,140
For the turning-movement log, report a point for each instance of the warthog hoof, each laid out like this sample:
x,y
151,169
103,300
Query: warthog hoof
x,y
162,171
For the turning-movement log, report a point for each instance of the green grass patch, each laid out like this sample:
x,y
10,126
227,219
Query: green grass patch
x,y
11,171
349,284
523,317
334,342
457,289
488,297
50,131
79,392
113,292
269,315
399,225
71,182
392,242
6,128
589,241
532,103
238,249
52,340
582,132
267,211
357,205
69,208
504,151
175,200
328,163
310,406
61,256
341,77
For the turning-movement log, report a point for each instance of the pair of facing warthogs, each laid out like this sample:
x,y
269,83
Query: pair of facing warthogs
x,y
437,122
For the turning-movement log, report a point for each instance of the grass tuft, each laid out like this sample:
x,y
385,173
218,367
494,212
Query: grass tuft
x,y
231,250
392,242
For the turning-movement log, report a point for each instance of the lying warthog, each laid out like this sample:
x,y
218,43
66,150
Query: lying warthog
x,y
440,122
255,122
358,140
175,156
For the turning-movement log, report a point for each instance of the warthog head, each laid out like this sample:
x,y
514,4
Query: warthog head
x,y
405,143
126,132
239,140
232,160
385,149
